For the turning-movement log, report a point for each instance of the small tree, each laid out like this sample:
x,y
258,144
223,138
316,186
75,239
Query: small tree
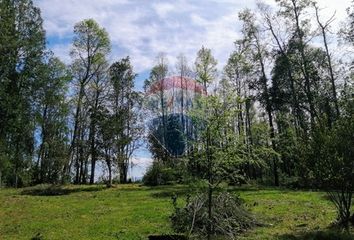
x,y
332,155
216,149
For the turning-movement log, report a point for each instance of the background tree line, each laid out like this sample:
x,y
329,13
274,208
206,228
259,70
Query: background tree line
x,y
58,121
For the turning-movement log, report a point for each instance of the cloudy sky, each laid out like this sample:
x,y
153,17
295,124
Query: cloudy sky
x,y
143,28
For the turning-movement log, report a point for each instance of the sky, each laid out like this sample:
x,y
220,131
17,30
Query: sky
x,y
142,29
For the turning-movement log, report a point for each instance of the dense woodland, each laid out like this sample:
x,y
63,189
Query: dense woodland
x,y
280,112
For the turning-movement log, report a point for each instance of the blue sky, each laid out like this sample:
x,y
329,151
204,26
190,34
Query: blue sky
x,y
144,28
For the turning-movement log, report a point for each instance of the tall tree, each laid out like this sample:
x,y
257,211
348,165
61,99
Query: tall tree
x,y
252,39
22,45
183,72
52,113
285,61
205,65
91,45
125,114
324,28
155,88
294,10
98,96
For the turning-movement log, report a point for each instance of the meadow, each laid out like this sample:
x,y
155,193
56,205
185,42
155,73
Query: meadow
x,y
133,212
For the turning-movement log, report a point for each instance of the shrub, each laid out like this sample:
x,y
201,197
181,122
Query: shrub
x,y
229,217
158,174
331,162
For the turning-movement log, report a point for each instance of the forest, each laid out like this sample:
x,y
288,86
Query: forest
x,y
277,118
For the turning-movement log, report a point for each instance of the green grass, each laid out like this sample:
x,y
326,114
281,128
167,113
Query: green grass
x,y
291,215
134,212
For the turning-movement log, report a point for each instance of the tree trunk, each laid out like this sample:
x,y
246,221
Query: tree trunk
x,y
74,142
93,138
109,166
269,112
93,153
210,184
295,102
93,167
304,64
329,59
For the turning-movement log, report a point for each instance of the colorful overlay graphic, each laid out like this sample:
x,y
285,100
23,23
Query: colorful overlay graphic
x,y
169,101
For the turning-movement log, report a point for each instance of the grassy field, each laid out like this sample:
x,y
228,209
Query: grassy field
x,y
129,212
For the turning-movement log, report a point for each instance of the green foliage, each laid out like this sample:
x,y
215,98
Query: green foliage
x,y
228,150
160,174
93,40
21,32
205,65
331,161
52,112
90,48
125,117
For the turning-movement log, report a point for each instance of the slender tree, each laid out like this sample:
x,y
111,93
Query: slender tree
x,y
90,48
205,65
324,32
259,54
97,99
125,117
52,113
155,89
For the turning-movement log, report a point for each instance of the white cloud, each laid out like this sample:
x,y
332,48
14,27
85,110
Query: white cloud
x,y
141,161
142,29
163,8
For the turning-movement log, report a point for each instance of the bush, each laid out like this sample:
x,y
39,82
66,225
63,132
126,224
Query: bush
x,y
229,217
158,174
331,162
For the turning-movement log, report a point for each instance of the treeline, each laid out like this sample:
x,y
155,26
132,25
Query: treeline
x,y
280,113
58,121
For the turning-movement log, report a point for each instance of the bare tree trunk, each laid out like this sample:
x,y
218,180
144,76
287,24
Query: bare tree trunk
x,y
269,111
298,121
77,166
109,166
92,139
74,141
304,63
93,168
329,59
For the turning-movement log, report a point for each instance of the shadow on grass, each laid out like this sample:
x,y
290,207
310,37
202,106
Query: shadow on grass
x,y
167,237
183,190
168,193
57,190
318,235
